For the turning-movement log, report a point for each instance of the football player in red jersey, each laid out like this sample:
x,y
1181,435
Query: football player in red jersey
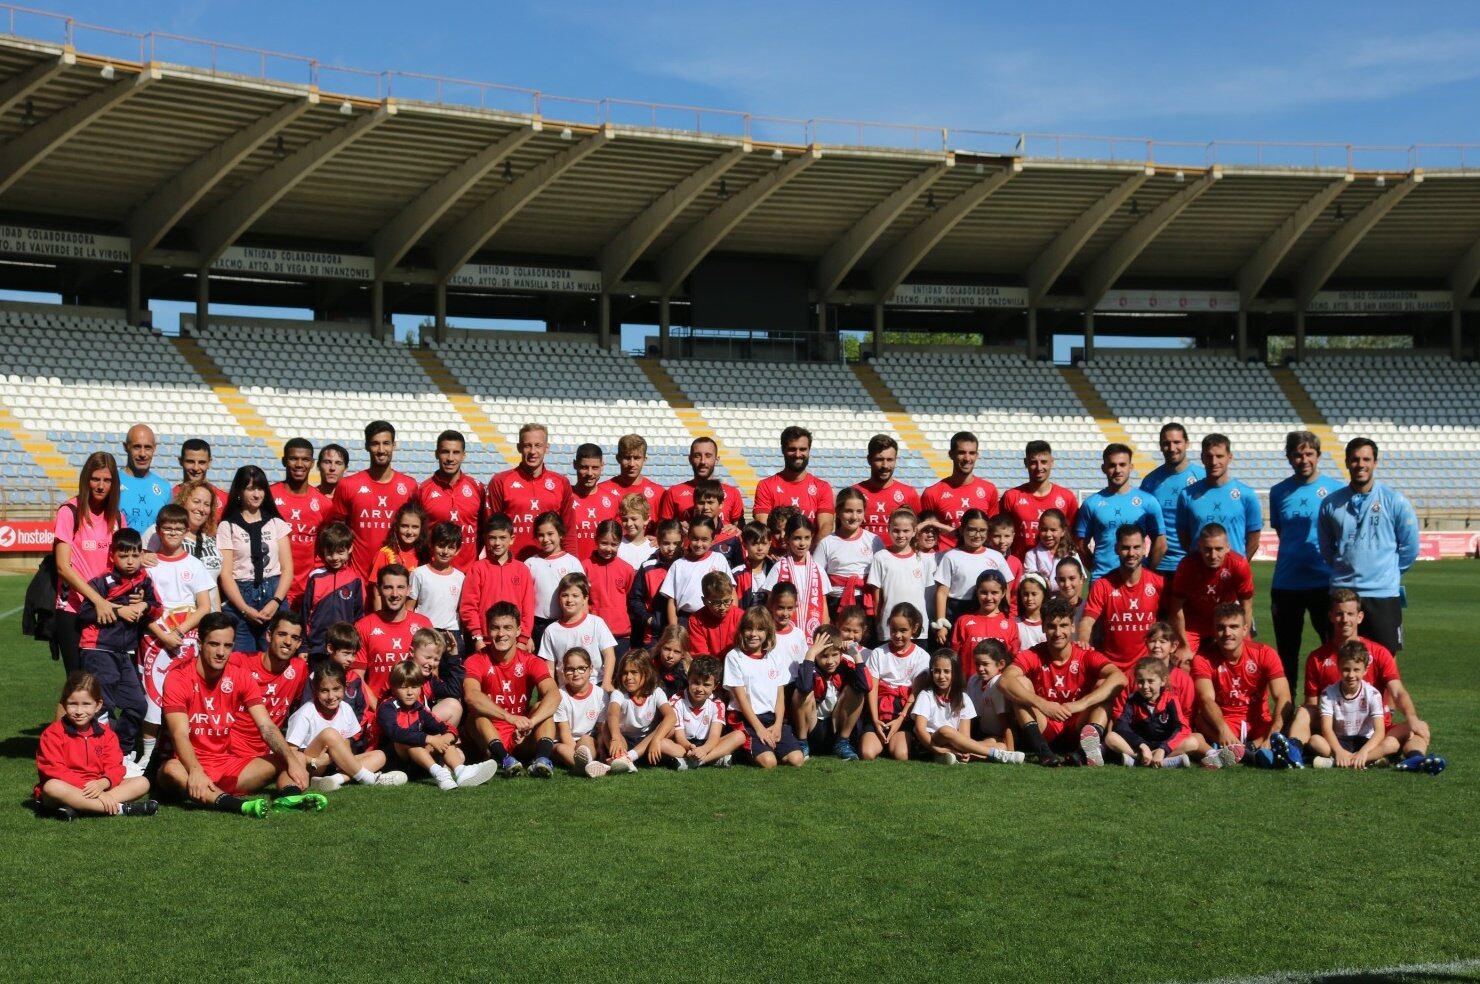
x,y
1209,576
511,698
366,501
631,459
528,489
1322,669
881,493
205,700
1236,679
592,502
385,635
1027,503
195,466
1061,692
793,485
1124,603
451,495
304,507
678,501
951,497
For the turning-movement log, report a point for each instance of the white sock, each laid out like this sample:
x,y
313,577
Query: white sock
x,y
440,772
632,754
148,751
366,776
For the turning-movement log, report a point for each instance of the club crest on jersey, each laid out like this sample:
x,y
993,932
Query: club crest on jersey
x,y
1058,502
811,490
1249,666
518,669
290,672
1320,493
467,492
549,485
400,488
1235,495
898,496
1135,500
228,685
1074,667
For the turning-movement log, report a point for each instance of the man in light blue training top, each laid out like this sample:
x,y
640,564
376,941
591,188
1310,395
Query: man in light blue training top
x,y
1114,506
1165,484
1369,535
1222,499
1302,578
141,492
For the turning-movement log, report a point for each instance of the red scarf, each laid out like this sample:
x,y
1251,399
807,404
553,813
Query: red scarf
x,y
811,599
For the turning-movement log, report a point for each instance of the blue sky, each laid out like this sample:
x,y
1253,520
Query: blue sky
x,y
1353,72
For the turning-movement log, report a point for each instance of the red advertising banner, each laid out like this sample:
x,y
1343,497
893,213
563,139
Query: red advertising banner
x,y
25,537
1431,546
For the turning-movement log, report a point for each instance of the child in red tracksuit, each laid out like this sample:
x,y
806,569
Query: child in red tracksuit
x,y
79,764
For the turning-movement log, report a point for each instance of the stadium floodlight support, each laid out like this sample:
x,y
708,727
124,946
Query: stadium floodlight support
x,y
1115,260
689,249
460,243
1330,254
902,258
23,86
395,239
1057,255
628,245
225,223
150,222
1463,280
1258,268
32,146
848,249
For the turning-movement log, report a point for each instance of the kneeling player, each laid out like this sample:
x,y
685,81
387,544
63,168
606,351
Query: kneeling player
x,y
205,700
1062,692
510,698
1236,679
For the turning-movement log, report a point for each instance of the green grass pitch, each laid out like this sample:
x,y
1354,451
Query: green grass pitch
x,y
836,871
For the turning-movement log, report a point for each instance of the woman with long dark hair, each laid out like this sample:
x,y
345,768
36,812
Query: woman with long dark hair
x,y
84,531
256,557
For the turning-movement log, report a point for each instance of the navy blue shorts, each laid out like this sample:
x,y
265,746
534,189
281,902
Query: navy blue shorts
x,y
782,748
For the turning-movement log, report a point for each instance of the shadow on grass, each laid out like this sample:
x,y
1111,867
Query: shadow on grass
x,y
23,745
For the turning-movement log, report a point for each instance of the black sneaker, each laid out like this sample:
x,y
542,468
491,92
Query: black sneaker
x,y
65,813
140,808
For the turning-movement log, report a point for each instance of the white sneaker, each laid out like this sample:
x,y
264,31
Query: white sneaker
x,y
476,775
1018,758
1323,762
582,757
447,784
623,764
681,764
724,762
328,784
596,769
947,758
132,768
395,778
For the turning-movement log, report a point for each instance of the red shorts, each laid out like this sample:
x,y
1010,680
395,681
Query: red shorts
x,y
735,721
1245,730
505,732
1064,733
225,771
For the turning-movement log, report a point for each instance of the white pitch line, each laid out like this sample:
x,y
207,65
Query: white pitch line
x,y
1347,973
7,614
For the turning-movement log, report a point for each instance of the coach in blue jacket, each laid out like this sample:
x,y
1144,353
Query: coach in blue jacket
x,y
1369,535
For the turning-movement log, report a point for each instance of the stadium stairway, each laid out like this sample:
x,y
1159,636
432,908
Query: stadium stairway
x,y
231,398
41,451
1310,415
1108,423
889,404
740,469
462,401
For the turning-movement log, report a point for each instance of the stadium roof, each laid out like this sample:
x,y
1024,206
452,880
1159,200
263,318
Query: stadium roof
x,y
186,162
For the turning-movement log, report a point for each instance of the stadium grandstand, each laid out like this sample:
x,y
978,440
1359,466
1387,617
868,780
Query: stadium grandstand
x,y
140,167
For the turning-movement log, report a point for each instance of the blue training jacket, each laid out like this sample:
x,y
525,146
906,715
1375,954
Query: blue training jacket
x,y
1369,539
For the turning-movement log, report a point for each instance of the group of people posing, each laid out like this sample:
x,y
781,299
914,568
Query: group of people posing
x,y
375,627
